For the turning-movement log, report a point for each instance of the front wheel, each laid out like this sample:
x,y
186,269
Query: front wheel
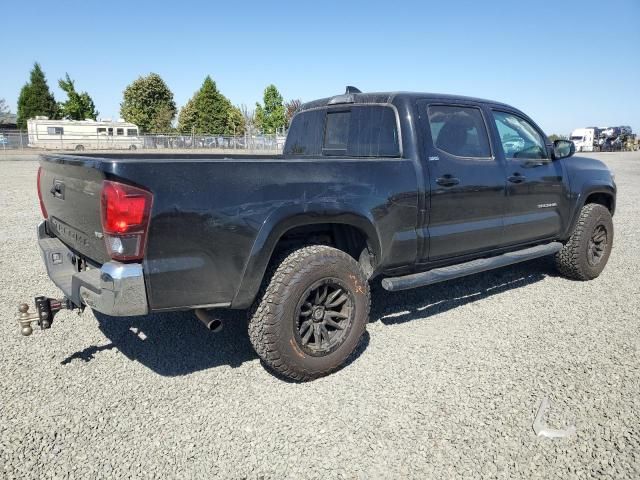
x,y
312,313
586,253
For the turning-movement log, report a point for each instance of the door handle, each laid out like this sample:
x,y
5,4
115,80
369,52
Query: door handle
x,y
517,178
447,181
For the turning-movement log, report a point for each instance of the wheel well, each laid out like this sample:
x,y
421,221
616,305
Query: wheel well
x,y
347,238
600,198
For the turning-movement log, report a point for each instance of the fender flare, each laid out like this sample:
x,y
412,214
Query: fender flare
x,y
280,222
588,190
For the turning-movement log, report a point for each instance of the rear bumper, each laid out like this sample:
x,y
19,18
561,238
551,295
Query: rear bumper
x,y
115,289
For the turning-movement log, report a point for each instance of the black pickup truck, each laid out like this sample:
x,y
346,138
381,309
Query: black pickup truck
x,y
413,188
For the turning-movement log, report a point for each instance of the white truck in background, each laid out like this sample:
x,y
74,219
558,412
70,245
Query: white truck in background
x,y
83,134
609,139
585,139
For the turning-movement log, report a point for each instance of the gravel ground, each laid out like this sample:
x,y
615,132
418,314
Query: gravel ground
x,y
446,384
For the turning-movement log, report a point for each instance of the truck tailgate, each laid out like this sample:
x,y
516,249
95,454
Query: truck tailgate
x,y
71,195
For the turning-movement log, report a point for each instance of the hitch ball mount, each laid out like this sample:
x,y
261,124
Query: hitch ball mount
x,y
46,309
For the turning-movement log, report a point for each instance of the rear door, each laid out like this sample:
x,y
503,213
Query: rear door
x,y
535,186
466,181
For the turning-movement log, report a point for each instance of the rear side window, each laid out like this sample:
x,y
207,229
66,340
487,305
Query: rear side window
x,y
305,134
373,132
459,131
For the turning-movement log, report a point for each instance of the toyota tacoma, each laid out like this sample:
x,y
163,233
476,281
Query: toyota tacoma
x,y
409,188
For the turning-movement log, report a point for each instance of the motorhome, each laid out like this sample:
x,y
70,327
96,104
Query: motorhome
x,y
83,134
585,138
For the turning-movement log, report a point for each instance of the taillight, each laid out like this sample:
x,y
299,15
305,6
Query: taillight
x,y
43,209
125,220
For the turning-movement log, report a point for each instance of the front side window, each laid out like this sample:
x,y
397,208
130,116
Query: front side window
x,y
55,130
459,131
132,132
102,131
519,138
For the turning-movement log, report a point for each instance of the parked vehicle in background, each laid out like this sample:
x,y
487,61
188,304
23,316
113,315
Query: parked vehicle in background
x,y
585,139
82,134
633,143
594,139
613,139
416,188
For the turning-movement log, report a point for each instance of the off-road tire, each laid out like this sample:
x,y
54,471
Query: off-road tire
x,y
573,260
272,320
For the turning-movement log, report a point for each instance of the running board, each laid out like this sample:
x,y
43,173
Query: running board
x,y
468,268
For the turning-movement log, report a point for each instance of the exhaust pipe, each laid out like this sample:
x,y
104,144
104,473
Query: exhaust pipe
x,y
213,324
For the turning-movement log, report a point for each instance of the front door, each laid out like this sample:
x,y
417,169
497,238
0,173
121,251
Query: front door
x,y
467,187
536,192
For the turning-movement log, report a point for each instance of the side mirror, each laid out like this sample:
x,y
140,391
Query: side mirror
x,y
563,149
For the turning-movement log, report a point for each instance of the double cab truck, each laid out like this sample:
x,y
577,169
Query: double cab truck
x,y
409,188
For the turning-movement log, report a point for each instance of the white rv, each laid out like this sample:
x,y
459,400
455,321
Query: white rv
x,y
83,134
585,138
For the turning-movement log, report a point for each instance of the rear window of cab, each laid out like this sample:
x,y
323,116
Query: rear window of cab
x,y
352,131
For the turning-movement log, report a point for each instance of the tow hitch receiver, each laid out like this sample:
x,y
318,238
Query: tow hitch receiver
x,y
46,309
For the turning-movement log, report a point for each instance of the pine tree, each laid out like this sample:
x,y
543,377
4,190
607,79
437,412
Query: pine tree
x,y
148,103
210,112
79,106
36,98
187,118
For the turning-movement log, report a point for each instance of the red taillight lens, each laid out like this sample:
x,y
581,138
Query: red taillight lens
x,y
43,209
125,219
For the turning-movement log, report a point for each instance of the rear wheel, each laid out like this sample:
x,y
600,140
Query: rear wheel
x,y
132,147
79,148
312,313
586,253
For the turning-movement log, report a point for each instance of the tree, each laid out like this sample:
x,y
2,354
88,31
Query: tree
x,y
162,121
36,98
210,112
211,108
148,103
292,107
5,113
187,118
249,119
235,122
79,106
271,117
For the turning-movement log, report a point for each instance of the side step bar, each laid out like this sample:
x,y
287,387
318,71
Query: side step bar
x,y
468,268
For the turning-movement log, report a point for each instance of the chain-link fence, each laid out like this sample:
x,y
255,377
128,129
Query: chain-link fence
x,y
15,140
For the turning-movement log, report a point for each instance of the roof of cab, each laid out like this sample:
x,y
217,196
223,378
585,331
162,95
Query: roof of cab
x,y
390,97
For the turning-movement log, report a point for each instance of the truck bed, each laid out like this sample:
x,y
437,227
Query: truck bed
x,y
215,219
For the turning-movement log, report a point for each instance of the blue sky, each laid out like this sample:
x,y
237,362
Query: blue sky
x,y
566,63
